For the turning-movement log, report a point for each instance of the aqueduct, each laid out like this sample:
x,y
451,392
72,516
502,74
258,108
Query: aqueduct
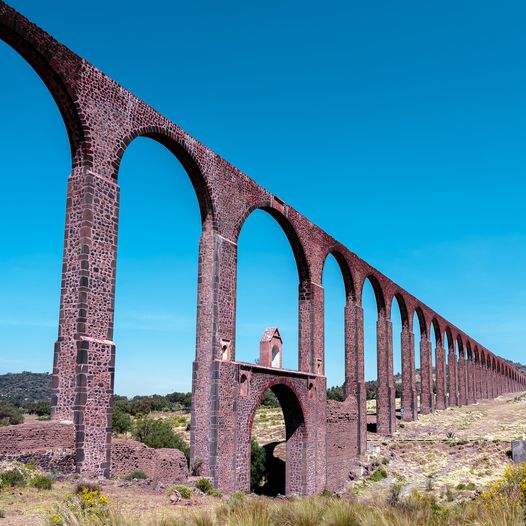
x,y
102,118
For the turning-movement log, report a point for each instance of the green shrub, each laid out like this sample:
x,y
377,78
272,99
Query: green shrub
x,y
136,475
121,422
10,415
184,491
12,478
2,514
41,482
159,434
204,485
378,475
461,486
258,464
471,486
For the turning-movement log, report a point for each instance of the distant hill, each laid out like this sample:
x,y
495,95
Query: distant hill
x,y
25,387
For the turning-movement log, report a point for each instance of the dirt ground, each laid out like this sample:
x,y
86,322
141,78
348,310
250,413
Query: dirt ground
x,y
467,446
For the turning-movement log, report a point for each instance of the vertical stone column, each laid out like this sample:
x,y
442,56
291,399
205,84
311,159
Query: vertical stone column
x,y
462,379
484,380
385,400
469,379
478,380
426,378
84,359
216,309
310,343
441,377
493,391
409,398
453,377
354,370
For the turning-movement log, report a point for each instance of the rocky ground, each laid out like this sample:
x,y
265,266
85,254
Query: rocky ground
x,y
451,454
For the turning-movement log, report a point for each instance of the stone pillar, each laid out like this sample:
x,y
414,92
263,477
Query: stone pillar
x,y
84,358
385,409
426,379
216,310
478,380
462,379
453,377
484,380
493,390
354,370
310,330
441,402
469,380
409,397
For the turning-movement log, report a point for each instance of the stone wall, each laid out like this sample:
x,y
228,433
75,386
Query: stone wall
x,y
342,442
51,445
163,465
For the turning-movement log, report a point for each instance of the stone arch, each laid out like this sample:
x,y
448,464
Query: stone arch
x,y
448,335
438,334
404,312
172,142
336,320
460,346
348,281
378,293
421,321
296,433
290,231
39,53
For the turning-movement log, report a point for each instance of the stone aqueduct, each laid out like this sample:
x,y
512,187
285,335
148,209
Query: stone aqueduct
x,y
102,119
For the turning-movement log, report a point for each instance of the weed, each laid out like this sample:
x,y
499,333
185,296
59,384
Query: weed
x,y
136,475
12,478
184,491
378,475
204,485
429,484
41,482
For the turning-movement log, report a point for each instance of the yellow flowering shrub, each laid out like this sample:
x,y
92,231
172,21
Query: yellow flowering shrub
x,y
88,503
509,492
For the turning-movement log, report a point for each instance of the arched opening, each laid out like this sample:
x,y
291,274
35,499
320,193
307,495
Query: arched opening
x,y
157,267
469,374
373,306
35,162
452,372
277,443
335,299
419,330
433,337
267,288
461,368
399,320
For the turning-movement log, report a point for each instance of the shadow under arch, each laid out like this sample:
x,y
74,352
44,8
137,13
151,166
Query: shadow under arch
x,y
170,141
40,61
295,439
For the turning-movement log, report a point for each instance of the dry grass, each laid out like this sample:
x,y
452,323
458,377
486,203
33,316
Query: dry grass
x,y
238,510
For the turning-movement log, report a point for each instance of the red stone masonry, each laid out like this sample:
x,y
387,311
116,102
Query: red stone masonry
x,y
102,118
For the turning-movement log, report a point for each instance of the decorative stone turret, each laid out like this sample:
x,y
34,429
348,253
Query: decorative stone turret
x,y
271,349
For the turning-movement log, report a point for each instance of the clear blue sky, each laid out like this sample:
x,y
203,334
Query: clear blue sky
x,y
398,127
